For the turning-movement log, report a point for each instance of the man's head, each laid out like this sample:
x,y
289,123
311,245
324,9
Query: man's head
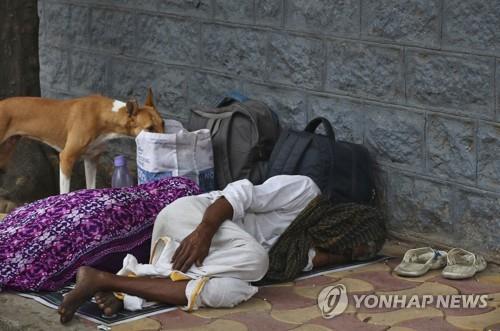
x,y
144,118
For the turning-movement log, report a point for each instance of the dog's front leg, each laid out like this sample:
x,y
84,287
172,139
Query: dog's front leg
x,y
64,181
91,171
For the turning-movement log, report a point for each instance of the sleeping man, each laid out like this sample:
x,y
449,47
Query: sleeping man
x,y
208,249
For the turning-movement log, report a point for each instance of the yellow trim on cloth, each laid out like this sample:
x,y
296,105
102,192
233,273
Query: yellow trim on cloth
x,y
200,284
121,295
176,276
163,241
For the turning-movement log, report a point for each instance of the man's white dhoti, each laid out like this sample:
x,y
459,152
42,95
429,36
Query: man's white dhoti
x,y
238,251
235,258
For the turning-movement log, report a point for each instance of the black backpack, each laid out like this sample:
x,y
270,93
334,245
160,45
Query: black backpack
x,y
342,170
243,137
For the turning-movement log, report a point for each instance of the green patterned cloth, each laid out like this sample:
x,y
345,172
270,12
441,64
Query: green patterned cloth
x,y
338,229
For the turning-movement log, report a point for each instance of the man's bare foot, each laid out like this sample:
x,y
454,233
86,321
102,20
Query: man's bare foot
x,y
87,284
108,303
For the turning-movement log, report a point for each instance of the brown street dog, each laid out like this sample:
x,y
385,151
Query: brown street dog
x,y
74,127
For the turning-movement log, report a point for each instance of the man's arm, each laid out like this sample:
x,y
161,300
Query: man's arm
x,y
277,193
194,248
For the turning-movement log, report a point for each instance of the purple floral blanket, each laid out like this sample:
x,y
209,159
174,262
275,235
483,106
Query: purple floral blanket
x,y
43,243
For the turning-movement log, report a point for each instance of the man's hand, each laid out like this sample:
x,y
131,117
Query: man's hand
x,y
193,249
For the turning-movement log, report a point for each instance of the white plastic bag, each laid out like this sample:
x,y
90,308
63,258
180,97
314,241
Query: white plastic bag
x,y
177,152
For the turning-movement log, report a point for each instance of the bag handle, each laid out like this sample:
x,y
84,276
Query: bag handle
x,y
230,98
313,125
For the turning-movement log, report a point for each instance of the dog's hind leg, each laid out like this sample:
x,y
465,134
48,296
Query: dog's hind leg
x,y
67,159
91,171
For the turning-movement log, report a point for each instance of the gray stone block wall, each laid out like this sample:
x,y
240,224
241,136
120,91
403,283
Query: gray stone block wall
x,y
416,81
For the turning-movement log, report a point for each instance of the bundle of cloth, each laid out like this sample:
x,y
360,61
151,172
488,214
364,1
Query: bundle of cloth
x,y
42,244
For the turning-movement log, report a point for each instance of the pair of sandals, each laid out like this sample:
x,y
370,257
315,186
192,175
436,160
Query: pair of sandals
x,y
458,263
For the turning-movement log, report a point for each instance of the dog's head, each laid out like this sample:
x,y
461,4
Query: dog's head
x,y
144,118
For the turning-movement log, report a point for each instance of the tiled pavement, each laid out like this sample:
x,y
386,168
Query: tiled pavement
x,y
292,306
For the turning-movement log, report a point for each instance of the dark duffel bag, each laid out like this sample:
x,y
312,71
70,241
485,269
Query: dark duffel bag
x,y
342,170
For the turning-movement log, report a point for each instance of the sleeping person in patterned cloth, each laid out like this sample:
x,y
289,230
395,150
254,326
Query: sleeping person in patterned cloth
x,y
208,249
43,243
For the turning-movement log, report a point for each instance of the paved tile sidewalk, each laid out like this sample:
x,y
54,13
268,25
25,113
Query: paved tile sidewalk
x,y
293,306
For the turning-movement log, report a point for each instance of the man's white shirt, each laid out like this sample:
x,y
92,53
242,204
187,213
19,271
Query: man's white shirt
x,y
266,210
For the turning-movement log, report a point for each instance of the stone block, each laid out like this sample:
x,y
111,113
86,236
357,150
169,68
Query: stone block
x,y
88,72
269,12
472,24
113,30
208,89
296,60
290,105
233,50
455,83
401,204
239,11
497,92
55,23
419,205
197,8
46,92
451,150
54,67
336,17
403,21
478,221
345,115
65,24
365,70
168,39
42,29
488,163
131,79
79,29
381,179
433,206
395,136
41,9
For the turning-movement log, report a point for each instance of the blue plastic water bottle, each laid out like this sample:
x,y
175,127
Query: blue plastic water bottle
x,y
121,175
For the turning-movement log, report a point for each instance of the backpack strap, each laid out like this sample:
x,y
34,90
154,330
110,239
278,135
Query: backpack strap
x,y
296,152
214,120
311,128
215,123
225,163
290,149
